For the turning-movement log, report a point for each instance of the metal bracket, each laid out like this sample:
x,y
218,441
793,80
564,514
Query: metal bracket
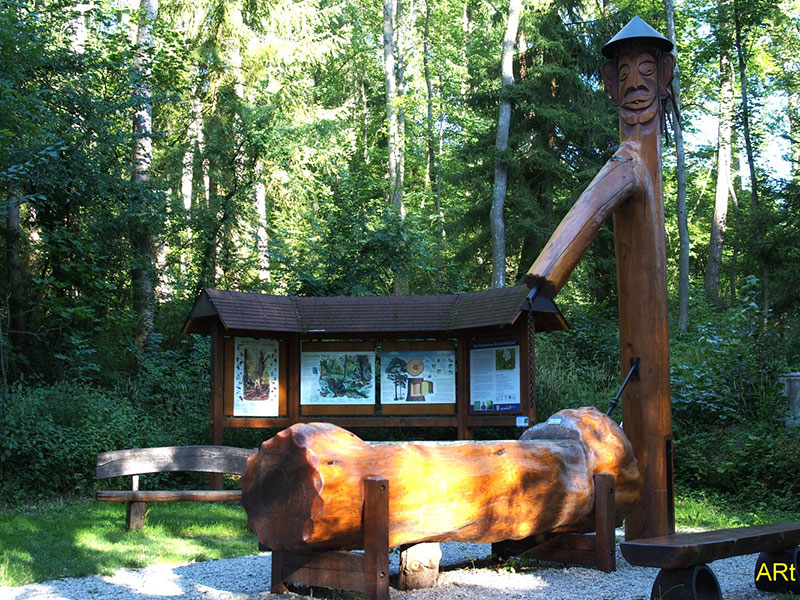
x,y
632,374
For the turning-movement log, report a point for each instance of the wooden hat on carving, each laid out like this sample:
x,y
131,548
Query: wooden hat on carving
x,y
636,29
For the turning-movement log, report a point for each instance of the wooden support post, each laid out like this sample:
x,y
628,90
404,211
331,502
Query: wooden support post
x,y
462,388
604,521
217,394
367,573
376,538
135,514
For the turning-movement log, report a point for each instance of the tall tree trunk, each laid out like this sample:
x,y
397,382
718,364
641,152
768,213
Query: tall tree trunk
x,y
264,273
142,238
759,220
389,68
714,265
501,146
393,73
429,167
680,168
403,19
439,212
16,310
794,127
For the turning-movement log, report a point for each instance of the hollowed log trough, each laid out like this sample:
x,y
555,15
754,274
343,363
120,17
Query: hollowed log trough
x,y
304,488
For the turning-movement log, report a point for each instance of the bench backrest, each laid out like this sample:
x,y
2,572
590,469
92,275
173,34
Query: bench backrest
x,y
200,459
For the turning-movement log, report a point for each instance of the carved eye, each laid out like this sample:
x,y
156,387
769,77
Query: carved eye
x,y
647,68
624,70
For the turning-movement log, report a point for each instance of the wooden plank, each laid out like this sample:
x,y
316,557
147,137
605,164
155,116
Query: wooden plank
x,y
168,495
355,421
688,549
217,375
323,410
376,538
277,585
342,580
230,349
462,388
351,562
604,521
553,551
198,459
418,409
292,379
405,345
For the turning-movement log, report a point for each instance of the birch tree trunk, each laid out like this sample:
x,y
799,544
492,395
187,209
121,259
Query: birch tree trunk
x,y
714,265
389,69
142,239
751,163
501,146
680,156
430,176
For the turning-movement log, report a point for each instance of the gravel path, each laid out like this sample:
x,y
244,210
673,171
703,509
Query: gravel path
x,y
247,578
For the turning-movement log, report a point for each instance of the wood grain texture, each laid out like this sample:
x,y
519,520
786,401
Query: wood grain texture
x,y
200,459
616,182
303,489
688,549
141,496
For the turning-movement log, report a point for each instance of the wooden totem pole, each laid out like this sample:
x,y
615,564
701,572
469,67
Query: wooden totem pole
x,y
629,186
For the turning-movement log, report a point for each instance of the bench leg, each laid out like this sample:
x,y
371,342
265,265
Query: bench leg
x,y
135,514
778,571
691,583
277,585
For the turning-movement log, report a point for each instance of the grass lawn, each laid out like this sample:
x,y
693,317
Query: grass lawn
x,y
85,537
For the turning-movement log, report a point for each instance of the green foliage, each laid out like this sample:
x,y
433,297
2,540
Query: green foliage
x,y
51,437
725,371
579,367
754,464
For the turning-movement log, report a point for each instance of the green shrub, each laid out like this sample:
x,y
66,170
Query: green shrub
x,y
50,436
752,464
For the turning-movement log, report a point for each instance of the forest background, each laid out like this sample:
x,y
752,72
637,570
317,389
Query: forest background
x,y
349,147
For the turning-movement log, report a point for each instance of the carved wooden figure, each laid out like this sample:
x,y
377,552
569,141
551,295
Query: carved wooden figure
x,y
629,186
303,489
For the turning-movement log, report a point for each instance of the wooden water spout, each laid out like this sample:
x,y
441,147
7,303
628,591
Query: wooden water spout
x,y
304,488
629,187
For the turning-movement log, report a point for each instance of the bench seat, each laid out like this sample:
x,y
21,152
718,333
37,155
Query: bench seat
x,y
683,558
168,495
688,549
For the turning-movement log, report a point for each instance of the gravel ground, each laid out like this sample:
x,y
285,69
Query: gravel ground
x,y
247,578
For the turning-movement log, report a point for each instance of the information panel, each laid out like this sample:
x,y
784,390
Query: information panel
x,y
256,378
418,376
494,380
337,377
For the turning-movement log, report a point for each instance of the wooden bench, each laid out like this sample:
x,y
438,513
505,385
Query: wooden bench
x,y
683,559
139,461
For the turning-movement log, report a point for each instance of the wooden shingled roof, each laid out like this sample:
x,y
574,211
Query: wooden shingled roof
x,y
243,312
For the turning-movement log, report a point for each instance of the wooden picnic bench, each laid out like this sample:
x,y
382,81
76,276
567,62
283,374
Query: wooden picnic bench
x,y
683,559
172,459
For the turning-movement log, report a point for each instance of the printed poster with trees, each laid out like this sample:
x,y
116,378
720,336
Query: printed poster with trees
x,y
337,377
256,378
422,376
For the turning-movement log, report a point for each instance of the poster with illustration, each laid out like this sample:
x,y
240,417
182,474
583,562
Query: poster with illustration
x,y
255,378
422,376
337,377
494,376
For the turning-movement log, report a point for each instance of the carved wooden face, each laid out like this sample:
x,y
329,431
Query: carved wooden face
x,y
635,81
